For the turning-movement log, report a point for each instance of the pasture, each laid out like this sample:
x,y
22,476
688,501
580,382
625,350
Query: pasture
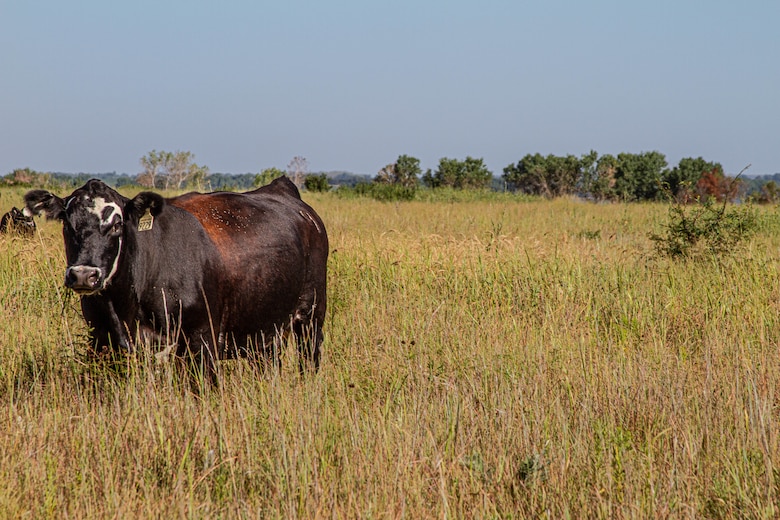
x,y
497,358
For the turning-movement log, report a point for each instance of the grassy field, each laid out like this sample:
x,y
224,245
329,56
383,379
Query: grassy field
x,y
505,359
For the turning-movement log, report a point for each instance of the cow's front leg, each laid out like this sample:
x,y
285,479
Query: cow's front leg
x,y
121,334
108,331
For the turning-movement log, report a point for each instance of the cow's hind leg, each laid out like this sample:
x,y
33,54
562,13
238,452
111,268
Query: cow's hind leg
x,y
308,337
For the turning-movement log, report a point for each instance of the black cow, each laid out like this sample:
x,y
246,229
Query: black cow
x,y
217,275
17,222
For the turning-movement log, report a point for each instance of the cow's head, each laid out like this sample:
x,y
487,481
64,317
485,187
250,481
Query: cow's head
x,y
95,221
18,222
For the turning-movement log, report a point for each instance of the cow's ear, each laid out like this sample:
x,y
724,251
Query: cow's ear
x,y
146,200
42,201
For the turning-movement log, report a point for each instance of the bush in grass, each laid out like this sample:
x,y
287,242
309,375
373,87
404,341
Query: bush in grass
x,y
706,227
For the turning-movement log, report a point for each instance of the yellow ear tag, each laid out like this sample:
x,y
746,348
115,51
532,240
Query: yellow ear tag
x,y
146,222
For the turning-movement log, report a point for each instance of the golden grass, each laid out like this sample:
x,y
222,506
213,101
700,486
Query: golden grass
x,y
482,359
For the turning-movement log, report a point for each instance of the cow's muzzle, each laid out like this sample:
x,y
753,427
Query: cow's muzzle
x,y
84,279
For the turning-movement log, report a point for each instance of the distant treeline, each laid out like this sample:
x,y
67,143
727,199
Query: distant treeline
x,y
213,182
625,176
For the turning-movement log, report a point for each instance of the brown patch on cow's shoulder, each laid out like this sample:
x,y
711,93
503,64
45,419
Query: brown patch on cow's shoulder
x,y
215,213
222,215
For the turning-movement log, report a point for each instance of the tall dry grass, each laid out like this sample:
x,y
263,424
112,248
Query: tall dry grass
x,y
482,359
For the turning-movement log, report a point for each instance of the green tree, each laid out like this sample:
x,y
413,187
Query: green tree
x,y
475,174
404,172
529,175
468,174
550,176
564,173
446,175
604,185
316,182
639,176
598,176
266,176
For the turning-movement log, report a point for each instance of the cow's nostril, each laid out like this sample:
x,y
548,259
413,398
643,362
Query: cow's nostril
x,y
82,278
70,278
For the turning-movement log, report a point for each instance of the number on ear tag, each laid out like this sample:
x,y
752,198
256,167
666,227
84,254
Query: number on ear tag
x,y
146,222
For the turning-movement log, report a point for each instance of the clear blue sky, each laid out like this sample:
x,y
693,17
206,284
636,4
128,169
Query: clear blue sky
x,y
92,86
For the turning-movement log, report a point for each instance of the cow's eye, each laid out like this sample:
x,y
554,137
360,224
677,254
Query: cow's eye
x,y
115,229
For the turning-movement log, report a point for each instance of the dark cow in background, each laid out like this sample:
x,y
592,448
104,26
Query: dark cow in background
x,y
15,221
218,275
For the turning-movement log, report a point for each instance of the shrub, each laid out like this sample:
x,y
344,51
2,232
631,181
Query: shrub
x,y
705,228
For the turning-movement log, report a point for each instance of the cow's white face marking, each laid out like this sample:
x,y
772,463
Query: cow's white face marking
x,y
115,265
106,218
98,209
